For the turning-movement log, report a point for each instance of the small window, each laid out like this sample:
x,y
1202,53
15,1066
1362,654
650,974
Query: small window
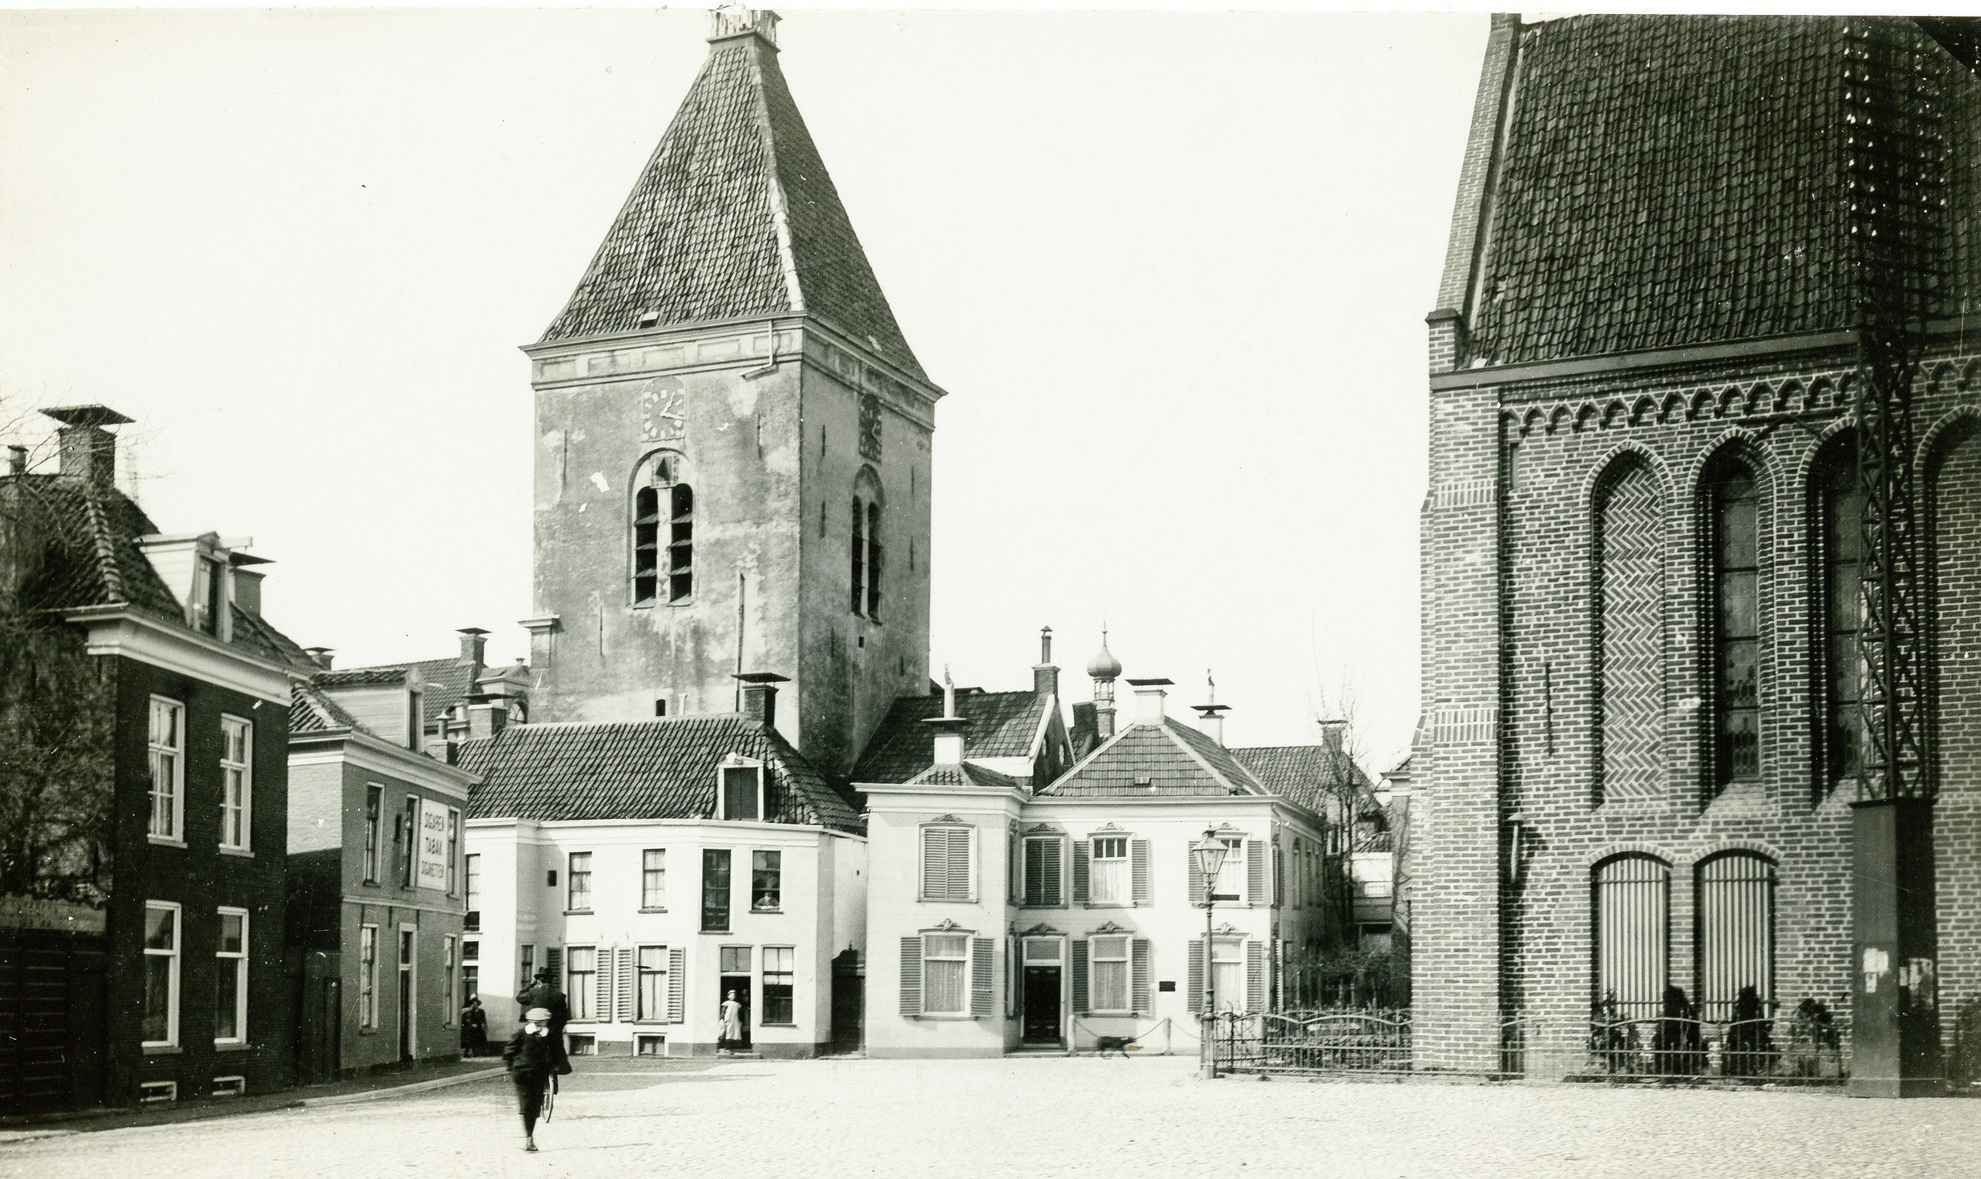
x,y
526,955
578,882
156,1092
948,873
742,792
945,974
1110,883
161,974
1110,978
167,762
236,782
660,707
581,1045
645,1045
230,971
777,984
368,976
653,878
715,890
1231,877
448,966
766,881
230,1086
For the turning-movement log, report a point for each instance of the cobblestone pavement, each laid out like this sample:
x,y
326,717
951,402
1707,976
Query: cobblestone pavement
x,y
1043,1117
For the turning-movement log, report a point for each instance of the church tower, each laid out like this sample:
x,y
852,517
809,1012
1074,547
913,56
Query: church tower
x,y
733,439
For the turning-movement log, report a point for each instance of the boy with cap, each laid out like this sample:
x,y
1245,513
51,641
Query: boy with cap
x,y
544,994
532,1061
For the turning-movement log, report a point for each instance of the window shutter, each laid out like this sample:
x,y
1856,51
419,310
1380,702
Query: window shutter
x,y
1080,976
1255,976
1255,872
983,975
553,957
1081,851
935,862
1014,977
1195,977
602,985
911,976
677,970
626,975
1014,867
959,863
1138,1000
1196,880
1138,868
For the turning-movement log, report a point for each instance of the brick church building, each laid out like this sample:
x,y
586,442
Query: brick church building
x,y
1651,760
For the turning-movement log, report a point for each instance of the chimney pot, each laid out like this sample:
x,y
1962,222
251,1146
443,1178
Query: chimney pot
x,y
1210,718
474,645
322,655
88,451
1333,734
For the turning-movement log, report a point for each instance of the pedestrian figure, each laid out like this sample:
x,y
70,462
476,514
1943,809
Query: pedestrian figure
x,y
545,994
532,1062
474,1028
730,1034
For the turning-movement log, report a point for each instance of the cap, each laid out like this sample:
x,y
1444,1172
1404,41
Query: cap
x,y
537,1015
546,972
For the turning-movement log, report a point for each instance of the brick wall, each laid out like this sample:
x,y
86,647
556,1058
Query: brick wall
x,y
1955,490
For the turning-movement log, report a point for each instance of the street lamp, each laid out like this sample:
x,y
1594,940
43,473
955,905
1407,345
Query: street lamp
x,y
1208,855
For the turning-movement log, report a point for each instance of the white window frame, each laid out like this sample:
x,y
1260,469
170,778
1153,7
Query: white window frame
x,y
174,753
374,844
368,977
653,879
769,962
1235,871
1122,882
1235,997
962,1010
453,851
656,1012
237,784
573,895
239,960
969,895
1026,845
471,885
1126,961
172,973
583,999
235,1086
738,762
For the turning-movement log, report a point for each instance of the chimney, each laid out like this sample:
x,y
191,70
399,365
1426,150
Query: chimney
x,y
1333,734
1149,695
322,655
760,696
89,452
17,460
474,644
247,582
486,718
1210,714
1045,677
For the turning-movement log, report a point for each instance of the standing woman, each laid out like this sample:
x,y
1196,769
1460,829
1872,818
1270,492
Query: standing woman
x,y
731,1032
531,1058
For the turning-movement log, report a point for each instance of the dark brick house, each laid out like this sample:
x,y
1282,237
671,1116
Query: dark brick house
x,y
1644,742
143,797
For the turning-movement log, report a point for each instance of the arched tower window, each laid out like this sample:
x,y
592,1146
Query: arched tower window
x,y
1632,936
1734,496
1839,545
1736,935
663,531
859,548
873,559
1629,617
864,542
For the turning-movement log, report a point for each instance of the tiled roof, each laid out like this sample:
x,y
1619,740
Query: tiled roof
x,y
650,769
735,182
1673,180
1302,773
347,676
312,710
966,775
1002,724
1168,759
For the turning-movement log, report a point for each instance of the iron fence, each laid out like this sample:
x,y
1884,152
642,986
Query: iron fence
x,y
1360,1042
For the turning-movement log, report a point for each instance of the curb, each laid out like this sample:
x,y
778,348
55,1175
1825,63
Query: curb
x,y
398,1090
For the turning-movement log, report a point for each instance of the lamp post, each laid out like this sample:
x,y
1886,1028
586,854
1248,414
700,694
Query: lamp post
x,y
1209,853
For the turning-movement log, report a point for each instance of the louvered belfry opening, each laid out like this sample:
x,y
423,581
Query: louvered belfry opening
x,y
1632,937
1736,934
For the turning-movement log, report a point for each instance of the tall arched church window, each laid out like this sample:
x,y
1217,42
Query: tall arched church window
x,y
1736,936
1629,608
1735,624
859,546
1840,732
1632,936
873,559
663,532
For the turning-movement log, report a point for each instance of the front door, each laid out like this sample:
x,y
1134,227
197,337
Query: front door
x,y
848,1001
738,985
1041,994
405,994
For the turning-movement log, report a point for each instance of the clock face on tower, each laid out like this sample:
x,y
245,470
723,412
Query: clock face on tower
x,y
663,415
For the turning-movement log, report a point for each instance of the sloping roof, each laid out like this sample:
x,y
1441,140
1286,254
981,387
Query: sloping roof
x,y
966,774
348,676
1301,773
1674,180
663,768
312,710
1002,724
1147,760
734,216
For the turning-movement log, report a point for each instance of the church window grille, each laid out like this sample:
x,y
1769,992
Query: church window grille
x,y
1632,935
1736,626
1736,933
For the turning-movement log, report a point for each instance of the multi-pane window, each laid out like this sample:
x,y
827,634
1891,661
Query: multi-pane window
x,y
1110,973
1736,626
578,881
1109,867
374,811
368,976
1044,877
161,973
230,977
778,975
663,534
947,868
236,781
1843,736
166,744
653,878
742,792
766,881
526,955
945,974
472,867
1736,936
581,980
650,993
1632,936
715,890
1231,874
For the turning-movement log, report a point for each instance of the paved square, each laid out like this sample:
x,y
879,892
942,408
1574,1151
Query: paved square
x,y
1040,1116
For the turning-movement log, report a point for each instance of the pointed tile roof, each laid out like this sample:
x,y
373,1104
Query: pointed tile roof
x,y
1002,724
1310,775
1165,759
734,216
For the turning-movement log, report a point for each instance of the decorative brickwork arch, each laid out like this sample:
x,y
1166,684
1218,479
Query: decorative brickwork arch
x,y
1629,626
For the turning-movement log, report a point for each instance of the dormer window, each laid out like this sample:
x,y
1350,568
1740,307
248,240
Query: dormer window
x,y
208,597
741,790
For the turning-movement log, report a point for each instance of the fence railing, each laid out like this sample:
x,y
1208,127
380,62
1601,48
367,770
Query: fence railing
x,y
1308,1042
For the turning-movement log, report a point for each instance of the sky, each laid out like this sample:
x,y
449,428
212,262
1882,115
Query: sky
x,y
1172,269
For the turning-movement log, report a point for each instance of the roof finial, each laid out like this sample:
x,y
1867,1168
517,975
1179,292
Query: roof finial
x,y
948,693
